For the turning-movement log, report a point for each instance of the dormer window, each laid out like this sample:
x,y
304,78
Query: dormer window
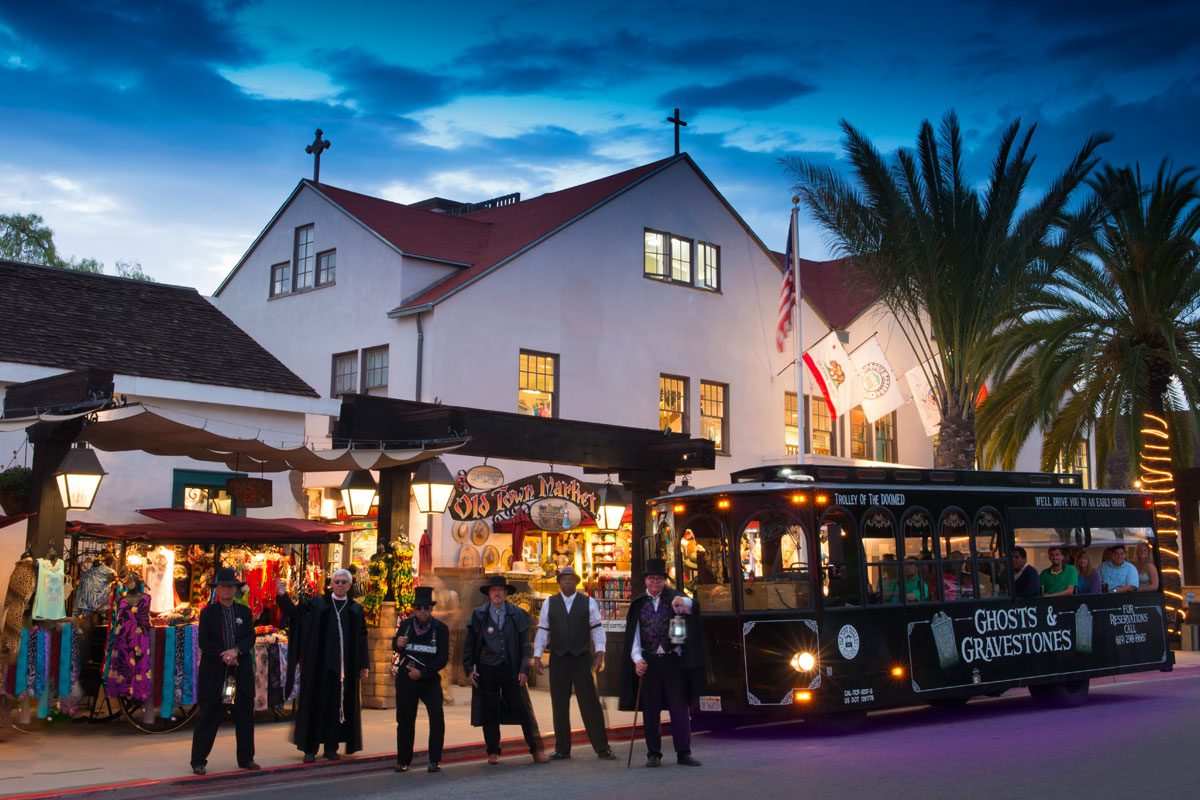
x,y
679,260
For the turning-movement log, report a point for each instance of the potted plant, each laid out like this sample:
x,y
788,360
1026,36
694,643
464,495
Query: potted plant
x,y
15,483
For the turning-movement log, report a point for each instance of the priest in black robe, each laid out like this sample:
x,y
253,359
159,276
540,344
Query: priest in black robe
x,y
327,639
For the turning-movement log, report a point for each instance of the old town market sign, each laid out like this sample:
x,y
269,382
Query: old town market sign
x,y
545,491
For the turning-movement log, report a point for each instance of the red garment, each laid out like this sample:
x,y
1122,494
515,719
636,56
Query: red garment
x,y
425,555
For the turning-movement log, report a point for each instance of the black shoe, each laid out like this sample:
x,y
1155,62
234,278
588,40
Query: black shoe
x,y
688,761
332,756
249,765
433,767
653,761
607,755
557,756
197,769
402,768
310,758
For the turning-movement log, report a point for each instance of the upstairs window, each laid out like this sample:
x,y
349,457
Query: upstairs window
x,y
672,403
708,266
821,425
345,373
326,266
791,427
281,278
656,255
305,258
859,434
714,414
680,260
885,438
375,368
536,394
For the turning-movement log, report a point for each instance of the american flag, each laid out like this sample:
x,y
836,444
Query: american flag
x,y
787,293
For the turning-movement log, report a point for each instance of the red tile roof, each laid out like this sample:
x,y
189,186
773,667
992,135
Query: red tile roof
x,y
830,287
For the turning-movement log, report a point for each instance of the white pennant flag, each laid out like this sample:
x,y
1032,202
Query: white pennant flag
x,y
833,372
878,387
923,395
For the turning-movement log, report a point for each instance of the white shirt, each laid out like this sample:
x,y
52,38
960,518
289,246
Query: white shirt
x,y
543,631
636,651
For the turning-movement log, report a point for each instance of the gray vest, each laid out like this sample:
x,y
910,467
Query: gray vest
x,y
570,632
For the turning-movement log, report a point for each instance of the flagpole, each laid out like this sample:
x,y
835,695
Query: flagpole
x,y
800,416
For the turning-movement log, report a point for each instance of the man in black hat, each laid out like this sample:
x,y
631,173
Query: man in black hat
x,y
570,625
671,674
496,658
423,645
225,634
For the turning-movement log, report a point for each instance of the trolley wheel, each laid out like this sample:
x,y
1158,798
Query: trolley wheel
x,y
1068,694
132,711
838,723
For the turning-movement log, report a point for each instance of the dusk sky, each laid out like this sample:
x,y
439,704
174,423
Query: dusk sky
x,y
169,133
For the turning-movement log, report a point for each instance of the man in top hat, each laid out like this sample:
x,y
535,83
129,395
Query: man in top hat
x,y
423,645
671,674
496,659
225,634
570,623
328,635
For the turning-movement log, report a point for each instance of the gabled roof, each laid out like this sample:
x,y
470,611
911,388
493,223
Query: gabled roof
x,y
830,289
71,320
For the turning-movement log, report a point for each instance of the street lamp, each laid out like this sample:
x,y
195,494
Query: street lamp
x,y
432,486
358,492
611,502
79,477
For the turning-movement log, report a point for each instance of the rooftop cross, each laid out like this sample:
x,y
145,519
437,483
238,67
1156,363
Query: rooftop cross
x,y
678,123
318,145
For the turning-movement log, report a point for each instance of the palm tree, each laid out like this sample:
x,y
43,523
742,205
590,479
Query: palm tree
x,y
1116,332
951,265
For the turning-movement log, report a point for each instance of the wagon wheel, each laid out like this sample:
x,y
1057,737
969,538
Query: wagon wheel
x,y
132,710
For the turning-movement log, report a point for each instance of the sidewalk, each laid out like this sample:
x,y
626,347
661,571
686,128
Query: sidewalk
x,y
75,755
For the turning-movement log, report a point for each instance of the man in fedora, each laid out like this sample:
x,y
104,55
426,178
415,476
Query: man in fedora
x,y
570,623
496,659
423,645
225,634
671,674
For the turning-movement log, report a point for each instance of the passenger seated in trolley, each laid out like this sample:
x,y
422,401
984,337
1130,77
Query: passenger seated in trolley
x,y
1025,576
1059,578
915,589
956,578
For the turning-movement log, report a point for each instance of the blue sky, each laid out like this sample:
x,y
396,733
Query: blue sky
x,y
169,133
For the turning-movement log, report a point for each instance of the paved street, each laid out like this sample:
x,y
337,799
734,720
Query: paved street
x,y
1132,739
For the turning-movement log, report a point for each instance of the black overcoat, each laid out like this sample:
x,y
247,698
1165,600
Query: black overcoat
x,y
520,650
308,650
693,660
210,677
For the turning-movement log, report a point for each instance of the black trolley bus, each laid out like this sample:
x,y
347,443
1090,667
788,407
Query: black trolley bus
x,y
830,591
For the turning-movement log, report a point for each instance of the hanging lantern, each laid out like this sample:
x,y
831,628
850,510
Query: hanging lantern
x,y
432,486
610,500
678,629
79,477
250,492
358,492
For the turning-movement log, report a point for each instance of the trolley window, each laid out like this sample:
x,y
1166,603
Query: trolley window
x,y
879,551
954,545
916,532
704,564
775,563
842,586
991,554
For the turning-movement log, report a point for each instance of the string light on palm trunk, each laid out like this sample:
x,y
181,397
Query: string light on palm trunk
x,y
1158,481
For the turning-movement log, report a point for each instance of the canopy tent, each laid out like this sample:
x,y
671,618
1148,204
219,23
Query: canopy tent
x,y
180,526
167,432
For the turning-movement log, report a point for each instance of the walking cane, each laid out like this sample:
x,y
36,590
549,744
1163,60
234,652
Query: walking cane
x,y
633,733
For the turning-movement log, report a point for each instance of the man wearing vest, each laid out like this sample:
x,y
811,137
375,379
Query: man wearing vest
x,y
423,646
671,675
496,659
571,622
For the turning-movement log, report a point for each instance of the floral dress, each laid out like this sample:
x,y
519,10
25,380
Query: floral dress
x,y
129,660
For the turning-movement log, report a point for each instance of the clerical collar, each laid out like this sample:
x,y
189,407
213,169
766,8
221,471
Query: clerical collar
x,y
343,597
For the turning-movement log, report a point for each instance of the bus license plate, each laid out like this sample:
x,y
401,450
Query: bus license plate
x,y
710,703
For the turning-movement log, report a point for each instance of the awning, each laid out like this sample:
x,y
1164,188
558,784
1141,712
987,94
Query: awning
x,y
10,424
167,432
14,519
180,526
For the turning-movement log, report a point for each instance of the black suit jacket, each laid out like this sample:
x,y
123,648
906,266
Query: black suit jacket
x,y
211,637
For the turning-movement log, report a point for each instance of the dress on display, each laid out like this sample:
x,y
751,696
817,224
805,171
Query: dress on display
x,y
160,580
50,600
16,601
129,660
94,589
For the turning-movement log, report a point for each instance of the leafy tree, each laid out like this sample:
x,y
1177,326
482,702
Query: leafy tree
x,y
132,270
1116,333
25,237
951,264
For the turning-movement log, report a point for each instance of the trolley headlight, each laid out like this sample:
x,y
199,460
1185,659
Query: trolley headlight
x,y
803,662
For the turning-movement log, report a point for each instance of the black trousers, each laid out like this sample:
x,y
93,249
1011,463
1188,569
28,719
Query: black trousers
x,y
665,686
408,694
499,688
574,672
208,720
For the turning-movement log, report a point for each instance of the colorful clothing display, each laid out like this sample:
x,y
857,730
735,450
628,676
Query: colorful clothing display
x,y
94,591
402,581
128,668
47,668
377,586
50,601
202,570
16,601
160,579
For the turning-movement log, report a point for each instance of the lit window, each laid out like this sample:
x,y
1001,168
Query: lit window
x,y
791,427
885,438
345,373
822,427
858,433
672,403
1077,464
375,368
656,255
714,414
326,267
708,266
305,257
281,279
681,260
536,395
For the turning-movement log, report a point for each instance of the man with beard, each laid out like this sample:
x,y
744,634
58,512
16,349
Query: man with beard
x,y
327,636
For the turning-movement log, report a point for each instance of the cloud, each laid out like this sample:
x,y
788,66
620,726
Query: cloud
x,y
1131,47
379,87
751,93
